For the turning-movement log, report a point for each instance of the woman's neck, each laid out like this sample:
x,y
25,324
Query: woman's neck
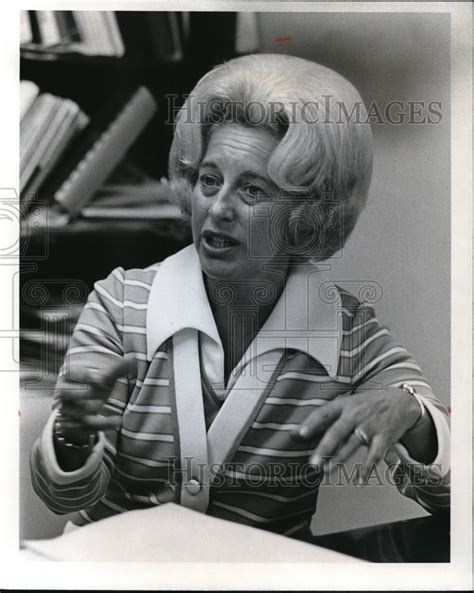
x,y
240,309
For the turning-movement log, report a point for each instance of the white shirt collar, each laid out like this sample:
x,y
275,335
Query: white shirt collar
x,y
306,317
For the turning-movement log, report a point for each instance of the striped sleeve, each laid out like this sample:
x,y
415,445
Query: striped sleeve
x,y
379,361
96,341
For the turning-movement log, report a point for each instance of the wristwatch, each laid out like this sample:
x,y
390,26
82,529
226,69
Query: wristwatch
x,y
63,441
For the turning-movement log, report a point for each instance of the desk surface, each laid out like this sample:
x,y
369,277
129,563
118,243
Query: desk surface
x,y
173,533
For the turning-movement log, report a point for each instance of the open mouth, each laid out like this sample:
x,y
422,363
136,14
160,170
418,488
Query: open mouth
x,y
218,241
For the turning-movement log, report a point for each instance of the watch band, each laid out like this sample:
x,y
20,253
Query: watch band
x,y
63,441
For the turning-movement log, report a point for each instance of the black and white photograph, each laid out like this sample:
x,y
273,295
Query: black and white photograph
x,y
237,309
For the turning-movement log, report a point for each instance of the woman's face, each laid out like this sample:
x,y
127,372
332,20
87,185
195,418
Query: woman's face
x,y
232,202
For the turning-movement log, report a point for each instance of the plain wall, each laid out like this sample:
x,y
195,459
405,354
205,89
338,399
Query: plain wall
x,y
402,240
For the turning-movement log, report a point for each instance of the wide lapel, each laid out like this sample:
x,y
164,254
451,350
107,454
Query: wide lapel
x,y
178,309
193,448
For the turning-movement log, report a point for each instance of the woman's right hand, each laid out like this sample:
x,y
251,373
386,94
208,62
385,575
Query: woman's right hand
x,y
82,395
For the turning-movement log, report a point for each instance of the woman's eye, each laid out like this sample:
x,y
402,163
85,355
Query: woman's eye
x,y
256,193
208,181
209,184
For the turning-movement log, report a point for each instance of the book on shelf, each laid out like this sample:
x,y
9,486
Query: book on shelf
x,y
88,43
99,33
115,38
67,26
48,125
66,31
32,127
185,26
70,122
247,38
36,38
28,93
138,34
156,35
48,28
26,35
166,35
100,148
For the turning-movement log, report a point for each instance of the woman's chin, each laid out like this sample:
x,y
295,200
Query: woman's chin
x,y
218,270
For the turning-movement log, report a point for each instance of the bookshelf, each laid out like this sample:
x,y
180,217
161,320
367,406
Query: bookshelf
x,y
168,66
90,79
55,247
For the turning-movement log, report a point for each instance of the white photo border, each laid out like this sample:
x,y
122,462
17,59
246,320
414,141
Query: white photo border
x,y
139,576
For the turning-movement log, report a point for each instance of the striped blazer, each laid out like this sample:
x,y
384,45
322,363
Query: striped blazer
x,y
318,343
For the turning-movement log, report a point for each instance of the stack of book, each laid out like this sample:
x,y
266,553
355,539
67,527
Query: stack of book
x,y
48,126
70,174
70,147
153,35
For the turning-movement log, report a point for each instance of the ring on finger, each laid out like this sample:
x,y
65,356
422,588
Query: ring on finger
x,y
362,436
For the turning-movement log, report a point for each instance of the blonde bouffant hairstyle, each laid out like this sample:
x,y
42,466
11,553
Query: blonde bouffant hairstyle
x,y
324,156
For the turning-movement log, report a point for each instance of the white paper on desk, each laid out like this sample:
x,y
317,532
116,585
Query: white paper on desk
x,y
171,533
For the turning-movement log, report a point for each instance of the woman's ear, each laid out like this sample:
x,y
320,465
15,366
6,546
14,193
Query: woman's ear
x,y
178,191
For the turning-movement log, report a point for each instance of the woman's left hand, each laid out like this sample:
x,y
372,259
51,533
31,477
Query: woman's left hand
x,y
381,416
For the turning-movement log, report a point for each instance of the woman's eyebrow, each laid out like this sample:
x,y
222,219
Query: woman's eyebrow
x,y
255,175
246,173
209,164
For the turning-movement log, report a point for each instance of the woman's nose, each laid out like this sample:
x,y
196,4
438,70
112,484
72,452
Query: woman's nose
x,y
222,207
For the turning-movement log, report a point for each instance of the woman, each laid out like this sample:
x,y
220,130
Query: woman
x,y
233,375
